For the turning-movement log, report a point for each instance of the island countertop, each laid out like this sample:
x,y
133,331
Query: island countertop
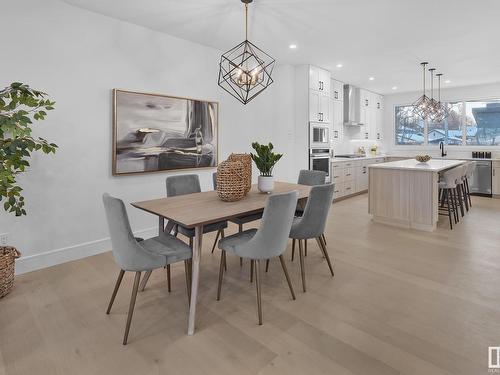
x,y
432,165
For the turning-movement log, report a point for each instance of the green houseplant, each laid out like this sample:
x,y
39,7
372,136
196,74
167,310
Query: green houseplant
x,y
19,106
265,160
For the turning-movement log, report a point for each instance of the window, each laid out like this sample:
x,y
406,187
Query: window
x,y
475,122
409,128
482,120
449,130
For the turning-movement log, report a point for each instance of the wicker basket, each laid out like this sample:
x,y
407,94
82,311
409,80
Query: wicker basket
x,y
231,182
8,256
246,160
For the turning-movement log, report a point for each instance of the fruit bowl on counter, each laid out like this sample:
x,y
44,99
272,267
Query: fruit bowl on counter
x,y
423,158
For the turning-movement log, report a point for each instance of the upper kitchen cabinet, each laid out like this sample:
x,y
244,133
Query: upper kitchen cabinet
x,y
319,107
319,79
337,90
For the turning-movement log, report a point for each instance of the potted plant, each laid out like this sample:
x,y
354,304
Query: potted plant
x,y
19,105
265,161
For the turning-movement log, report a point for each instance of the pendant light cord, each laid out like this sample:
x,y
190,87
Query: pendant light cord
x,y
246,21
432,82
423,69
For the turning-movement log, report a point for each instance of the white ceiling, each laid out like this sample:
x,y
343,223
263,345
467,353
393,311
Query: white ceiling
x,y
386,39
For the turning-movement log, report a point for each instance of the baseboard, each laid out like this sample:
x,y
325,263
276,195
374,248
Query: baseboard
x,y
51,258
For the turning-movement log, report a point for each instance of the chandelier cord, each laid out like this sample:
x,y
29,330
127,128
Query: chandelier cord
x,y
246,21
432,82
423,69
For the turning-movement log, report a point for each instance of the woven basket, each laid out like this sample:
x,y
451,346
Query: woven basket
x,y
231,181
8,256
246,160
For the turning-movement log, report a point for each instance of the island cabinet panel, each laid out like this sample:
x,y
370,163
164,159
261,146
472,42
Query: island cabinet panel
x,y
388,195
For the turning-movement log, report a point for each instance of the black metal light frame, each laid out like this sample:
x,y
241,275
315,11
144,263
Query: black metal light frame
x,y
245,70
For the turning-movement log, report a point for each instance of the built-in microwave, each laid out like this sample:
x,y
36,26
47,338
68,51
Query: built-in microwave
x,y
319,135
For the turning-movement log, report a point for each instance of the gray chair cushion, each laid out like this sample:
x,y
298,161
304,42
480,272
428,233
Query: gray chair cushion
x,y
167,245
313,221
271,238
214,227
247,219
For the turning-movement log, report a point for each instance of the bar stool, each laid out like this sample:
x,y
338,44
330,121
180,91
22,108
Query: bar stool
x,y
448,192
470,168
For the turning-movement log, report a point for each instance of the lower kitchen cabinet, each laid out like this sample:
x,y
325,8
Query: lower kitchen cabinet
x,y
495,179
351,177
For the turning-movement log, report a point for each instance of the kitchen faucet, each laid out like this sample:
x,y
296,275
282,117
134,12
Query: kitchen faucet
x,y
442,148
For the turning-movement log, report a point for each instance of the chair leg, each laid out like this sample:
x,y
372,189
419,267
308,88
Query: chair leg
x,y
169,285
241,262
132,305
221,273
216,239
115,290
324,238
251,270
187,270
191,242
325,253
145,280
267,265
293,248
448,204
460,201
468,192
287,276
222,235
302,271
257,283
240,228
305,248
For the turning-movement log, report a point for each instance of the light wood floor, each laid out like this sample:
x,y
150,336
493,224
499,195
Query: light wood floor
x,y
401,302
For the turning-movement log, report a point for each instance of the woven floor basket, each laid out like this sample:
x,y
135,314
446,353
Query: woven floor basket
x,y
246,160
8,256
231,182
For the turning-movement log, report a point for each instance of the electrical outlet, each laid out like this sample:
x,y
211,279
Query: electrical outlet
x,y
4,237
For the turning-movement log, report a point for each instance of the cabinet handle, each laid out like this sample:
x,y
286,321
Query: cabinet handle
x,y
336,94
378,105
320,86
378,135
366,102
348,188
335,134
366,135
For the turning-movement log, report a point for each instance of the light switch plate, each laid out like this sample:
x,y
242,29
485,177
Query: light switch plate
x,y
4,237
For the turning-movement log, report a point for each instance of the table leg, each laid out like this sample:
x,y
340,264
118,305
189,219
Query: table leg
x,y
198,233
161,225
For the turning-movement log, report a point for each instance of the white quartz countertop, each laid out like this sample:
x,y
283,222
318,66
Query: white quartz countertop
x,y
432,165
367,157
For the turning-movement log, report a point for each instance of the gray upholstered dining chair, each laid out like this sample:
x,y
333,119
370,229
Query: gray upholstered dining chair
x,y
267,242
312,223
309,178
134,256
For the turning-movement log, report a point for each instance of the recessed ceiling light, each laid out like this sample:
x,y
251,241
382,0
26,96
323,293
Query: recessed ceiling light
x,y
339,65
394,87
371,78
293,46
447,81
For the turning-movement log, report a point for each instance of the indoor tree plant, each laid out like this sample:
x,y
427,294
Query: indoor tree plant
x,y
265,160
19,105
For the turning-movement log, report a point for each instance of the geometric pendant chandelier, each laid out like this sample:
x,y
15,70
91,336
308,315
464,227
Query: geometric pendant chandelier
x,y
245,70
423,106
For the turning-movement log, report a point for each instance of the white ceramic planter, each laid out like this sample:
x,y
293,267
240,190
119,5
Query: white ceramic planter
x,y
266,184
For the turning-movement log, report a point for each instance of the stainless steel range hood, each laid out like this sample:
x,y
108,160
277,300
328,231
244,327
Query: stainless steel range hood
x,y
352,107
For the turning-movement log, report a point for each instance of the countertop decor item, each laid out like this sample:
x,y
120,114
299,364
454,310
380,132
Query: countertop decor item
x,y
8,256
153,133
231,180
423,158
265,160
245,70
246,160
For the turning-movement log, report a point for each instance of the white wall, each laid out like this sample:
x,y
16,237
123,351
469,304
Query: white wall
x,y
78,57
477,92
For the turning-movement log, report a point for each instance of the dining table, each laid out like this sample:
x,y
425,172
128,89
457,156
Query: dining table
x,y
199,209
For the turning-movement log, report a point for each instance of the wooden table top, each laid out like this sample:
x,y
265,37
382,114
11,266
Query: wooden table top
x,y
191,210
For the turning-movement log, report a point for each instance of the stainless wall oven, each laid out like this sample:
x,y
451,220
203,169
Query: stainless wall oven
x,y
319,135
319,160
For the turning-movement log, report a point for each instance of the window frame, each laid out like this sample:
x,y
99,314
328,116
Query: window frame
x,y
426,145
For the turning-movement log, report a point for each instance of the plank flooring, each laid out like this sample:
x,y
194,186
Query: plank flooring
x,y
401,302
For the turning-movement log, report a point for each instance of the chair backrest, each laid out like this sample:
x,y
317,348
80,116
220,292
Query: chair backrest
x,y
182,184
313,221
450,178
272,236
311,178
127,252
214,180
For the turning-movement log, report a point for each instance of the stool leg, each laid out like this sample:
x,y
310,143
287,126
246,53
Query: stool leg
x,y
447,193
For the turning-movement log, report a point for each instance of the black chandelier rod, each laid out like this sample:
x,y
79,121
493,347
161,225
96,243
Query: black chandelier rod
x,y
423,69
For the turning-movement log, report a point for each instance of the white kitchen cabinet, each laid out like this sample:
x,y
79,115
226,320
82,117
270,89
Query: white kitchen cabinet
x,y
319,79
337,90
319,107
337,114
361,178
495,182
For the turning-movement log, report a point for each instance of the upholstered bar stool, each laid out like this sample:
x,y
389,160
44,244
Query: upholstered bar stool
x,y
448,192
267,242
134,256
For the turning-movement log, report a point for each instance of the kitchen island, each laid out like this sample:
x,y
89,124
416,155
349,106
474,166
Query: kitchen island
x,y
405,192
